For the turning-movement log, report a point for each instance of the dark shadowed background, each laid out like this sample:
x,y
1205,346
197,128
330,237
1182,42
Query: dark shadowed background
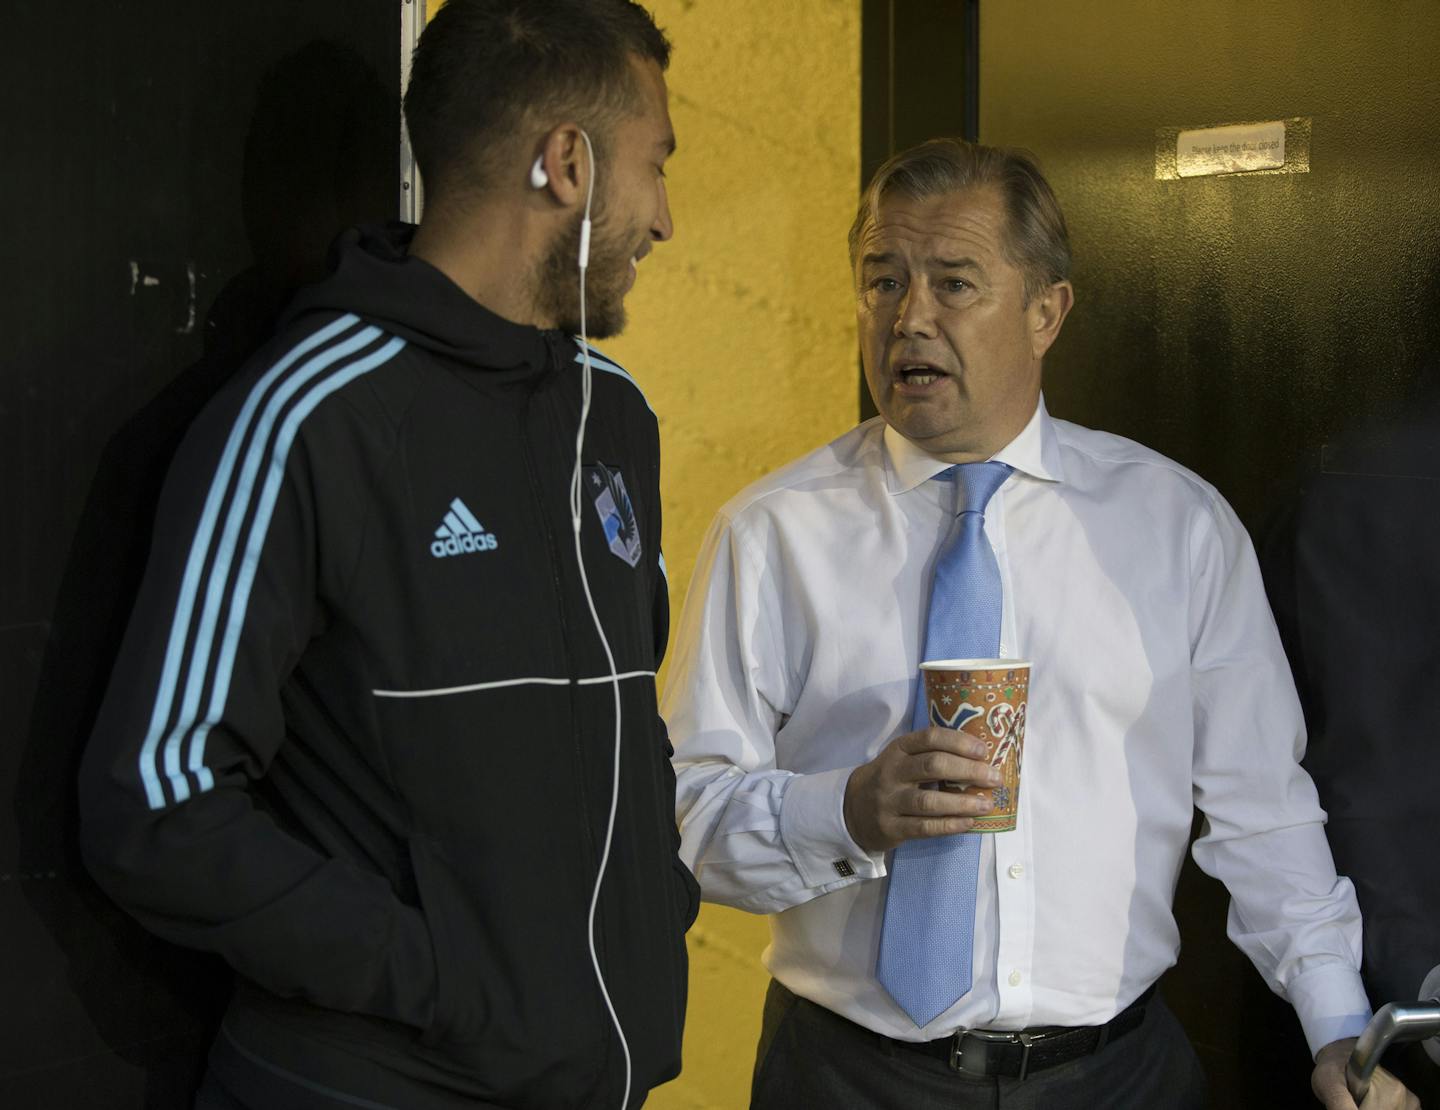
x,y
171,170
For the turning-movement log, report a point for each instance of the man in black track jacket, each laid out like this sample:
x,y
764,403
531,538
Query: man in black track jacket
x,y
361,737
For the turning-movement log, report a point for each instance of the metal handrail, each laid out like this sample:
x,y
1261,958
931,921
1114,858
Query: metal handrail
x,y
1393,1023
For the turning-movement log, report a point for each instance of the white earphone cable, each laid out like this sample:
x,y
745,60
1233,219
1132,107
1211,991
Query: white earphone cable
x,y
576,503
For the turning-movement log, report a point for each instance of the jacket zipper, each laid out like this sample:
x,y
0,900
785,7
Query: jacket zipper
x,y
557,585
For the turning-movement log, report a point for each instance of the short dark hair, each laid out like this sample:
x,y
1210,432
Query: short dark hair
x,y
483,66
1036,239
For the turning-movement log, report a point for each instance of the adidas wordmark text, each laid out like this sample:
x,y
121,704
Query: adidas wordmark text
x,y
461,533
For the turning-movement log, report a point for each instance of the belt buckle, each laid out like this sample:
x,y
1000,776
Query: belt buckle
x,y
968,1047
972,1060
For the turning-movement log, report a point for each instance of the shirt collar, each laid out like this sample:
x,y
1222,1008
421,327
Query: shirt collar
x,y
1034,452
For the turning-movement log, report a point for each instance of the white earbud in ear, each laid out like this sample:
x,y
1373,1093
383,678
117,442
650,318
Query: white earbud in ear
x,y
589,196
538,177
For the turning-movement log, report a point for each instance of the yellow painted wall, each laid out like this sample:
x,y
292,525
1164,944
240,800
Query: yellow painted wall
x,y
742,335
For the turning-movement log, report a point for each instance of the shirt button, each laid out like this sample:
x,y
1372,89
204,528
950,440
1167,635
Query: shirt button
x,y
1015,870
1014,978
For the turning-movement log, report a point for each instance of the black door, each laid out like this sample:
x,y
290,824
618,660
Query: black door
x,y
170,170
1254,327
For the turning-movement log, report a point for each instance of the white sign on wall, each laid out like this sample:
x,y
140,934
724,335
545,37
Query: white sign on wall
x,y
1234,149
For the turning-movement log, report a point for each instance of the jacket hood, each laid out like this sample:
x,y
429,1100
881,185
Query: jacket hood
x,y
373,276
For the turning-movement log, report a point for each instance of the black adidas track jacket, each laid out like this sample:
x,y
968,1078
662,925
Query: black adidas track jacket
x,y
359,738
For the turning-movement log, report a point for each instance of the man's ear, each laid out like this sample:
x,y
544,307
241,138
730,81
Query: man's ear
x,y
565,162
1046,313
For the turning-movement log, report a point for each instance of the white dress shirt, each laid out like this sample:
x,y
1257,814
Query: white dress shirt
x,y
1158,685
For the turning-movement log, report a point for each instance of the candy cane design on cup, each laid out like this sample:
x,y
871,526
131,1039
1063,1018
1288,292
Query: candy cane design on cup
x,y
987,698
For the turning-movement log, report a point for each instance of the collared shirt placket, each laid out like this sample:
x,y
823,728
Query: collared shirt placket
x,y
1011,874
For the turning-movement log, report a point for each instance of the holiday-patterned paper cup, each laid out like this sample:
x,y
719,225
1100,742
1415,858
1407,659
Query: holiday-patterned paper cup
x,y
986,698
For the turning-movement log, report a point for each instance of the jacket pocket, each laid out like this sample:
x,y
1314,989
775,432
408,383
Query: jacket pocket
x,y
461,1005
513,1009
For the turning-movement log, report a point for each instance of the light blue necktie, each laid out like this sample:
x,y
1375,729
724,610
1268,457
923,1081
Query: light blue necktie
x,y
929,928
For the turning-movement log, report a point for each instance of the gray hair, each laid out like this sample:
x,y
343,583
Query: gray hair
x,y
1036,240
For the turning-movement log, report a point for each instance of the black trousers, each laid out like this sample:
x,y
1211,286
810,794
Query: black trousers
x,y
810,1057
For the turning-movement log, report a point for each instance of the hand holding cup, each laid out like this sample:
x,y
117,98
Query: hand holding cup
x,y
893,798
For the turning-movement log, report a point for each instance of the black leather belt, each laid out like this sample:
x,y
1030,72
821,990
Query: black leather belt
x,y
1017,1054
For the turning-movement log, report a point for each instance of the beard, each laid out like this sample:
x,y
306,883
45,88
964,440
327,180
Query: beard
x,y
606,279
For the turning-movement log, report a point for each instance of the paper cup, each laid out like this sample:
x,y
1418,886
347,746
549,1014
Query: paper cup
x,y
986,698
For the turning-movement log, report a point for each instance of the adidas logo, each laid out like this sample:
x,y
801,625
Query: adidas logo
x,y
461,533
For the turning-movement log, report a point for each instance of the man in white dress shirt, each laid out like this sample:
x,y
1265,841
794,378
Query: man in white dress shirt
x,y
1159,684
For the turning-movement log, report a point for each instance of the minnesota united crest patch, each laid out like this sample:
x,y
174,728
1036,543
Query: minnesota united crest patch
x,y
617,514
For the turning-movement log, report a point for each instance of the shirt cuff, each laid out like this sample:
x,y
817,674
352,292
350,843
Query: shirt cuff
x,y
812,826
1331,1003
